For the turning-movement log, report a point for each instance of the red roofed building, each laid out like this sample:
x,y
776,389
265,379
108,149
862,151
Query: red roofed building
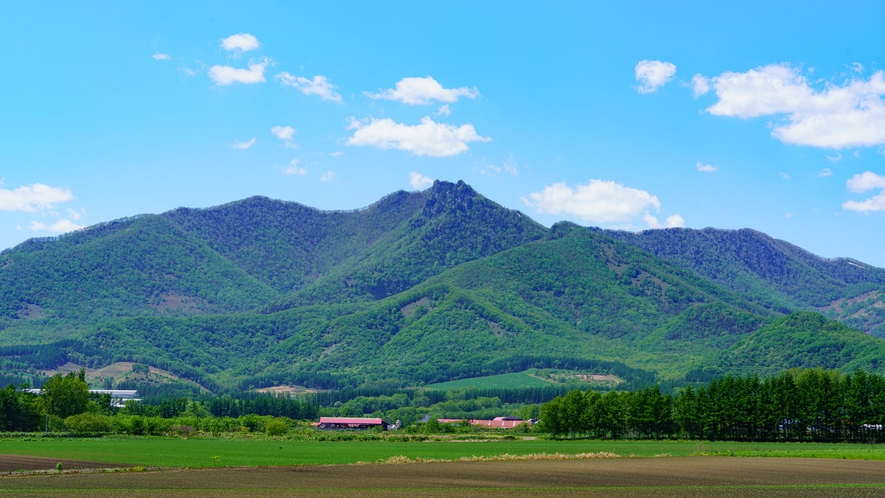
x,y
350,423
497,423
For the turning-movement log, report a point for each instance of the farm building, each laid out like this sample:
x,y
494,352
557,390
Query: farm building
x,y
357,423
119,397
496,423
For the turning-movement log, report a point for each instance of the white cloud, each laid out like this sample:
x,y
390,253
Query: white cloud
x,y
836,158
241,42
244,145
327,176
294,169
415,91
60,226
319,86
598,201
426,139
33,197
652,75
283,132
674,221
419,181
700,85
706,168
784,175
788,215
337,153
857,67
189,72
864,182
444,110
825,173
76,215
161,57
226,75
839,116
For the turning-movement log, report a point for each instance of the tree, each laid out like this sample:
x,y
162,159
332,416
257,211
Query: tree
x,y
65,396
18,411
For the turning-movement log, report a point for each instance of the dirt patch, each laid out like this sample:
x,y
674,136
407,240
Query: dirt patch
x,y
682,476
31,312
410,309
15,463
68,368
177,302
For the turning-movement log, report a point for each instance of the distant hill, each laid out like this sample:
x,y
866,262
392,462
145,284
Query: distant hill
x,y
425,287
774,271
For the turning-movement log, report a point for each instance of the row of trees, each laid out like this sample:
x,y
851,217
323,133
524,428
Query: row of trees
x,y
799,405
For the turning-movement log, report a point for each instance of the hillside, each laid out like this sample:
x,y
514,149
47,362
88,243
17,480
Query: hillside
x,y
774,271
423,287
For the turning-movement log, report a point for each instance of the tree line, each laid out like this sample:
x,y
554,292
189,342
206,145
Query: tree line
x,y
798,405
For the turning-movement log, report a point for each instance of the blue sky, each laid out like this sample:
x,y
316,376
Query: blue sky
x,y
623,115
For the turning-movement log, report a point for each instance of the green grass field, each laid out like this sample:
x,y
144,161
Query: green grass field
x,y
506,381
175,452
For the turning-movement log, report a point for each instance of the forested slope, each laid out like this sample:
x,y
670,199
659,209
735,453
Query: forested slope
x,y
423,287
774,271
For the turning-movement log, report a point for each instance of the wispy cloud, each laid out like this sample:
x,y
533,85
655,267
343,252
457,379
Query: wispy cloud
x,y
825,173
161,57
319,86
783,175
283,132
60,226
294,169
328,176
706,168
244,145
34,197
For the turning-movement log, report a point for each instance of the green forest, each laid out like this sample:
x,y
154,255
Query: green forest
x,y
422,288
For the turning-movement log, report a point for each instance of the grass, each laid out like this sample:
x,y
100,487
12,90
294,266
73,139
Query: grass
x,y
195,453
502,381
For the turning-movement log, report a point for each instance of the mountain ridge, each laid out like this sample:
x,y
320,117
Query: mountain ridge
x,y
419,286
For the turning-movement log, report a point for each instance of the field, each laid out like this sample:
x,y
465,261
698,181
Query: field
x,y
502,381
619,477
197,453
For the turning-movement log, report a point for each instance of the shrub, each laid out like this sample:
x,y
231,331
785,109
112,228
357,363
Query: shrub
x,y
276,427
140,368
89,422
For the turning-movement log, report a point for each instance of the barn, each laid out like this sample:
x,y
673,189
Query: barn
x,y
355,423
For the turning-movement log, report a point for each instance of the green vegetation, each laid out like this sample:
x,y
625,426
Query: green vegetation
x,y
806,405
420,289
774,271
510,380
197,452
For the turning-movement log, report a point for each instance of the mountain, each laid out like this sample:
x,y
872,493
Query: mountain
x,y
774,271
421,287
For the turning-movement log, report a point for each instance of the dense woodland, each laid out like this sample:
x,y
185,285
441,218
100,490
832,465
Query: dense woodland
x,y
420,288
806,405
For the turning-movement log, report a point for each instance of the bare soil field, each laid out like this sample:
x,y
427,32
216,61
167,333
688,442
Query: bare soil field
x,y
15,463
621,477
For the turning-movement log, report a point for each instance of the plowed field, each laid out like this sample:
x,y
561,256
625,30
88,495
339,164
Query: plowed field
x,y
675,476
